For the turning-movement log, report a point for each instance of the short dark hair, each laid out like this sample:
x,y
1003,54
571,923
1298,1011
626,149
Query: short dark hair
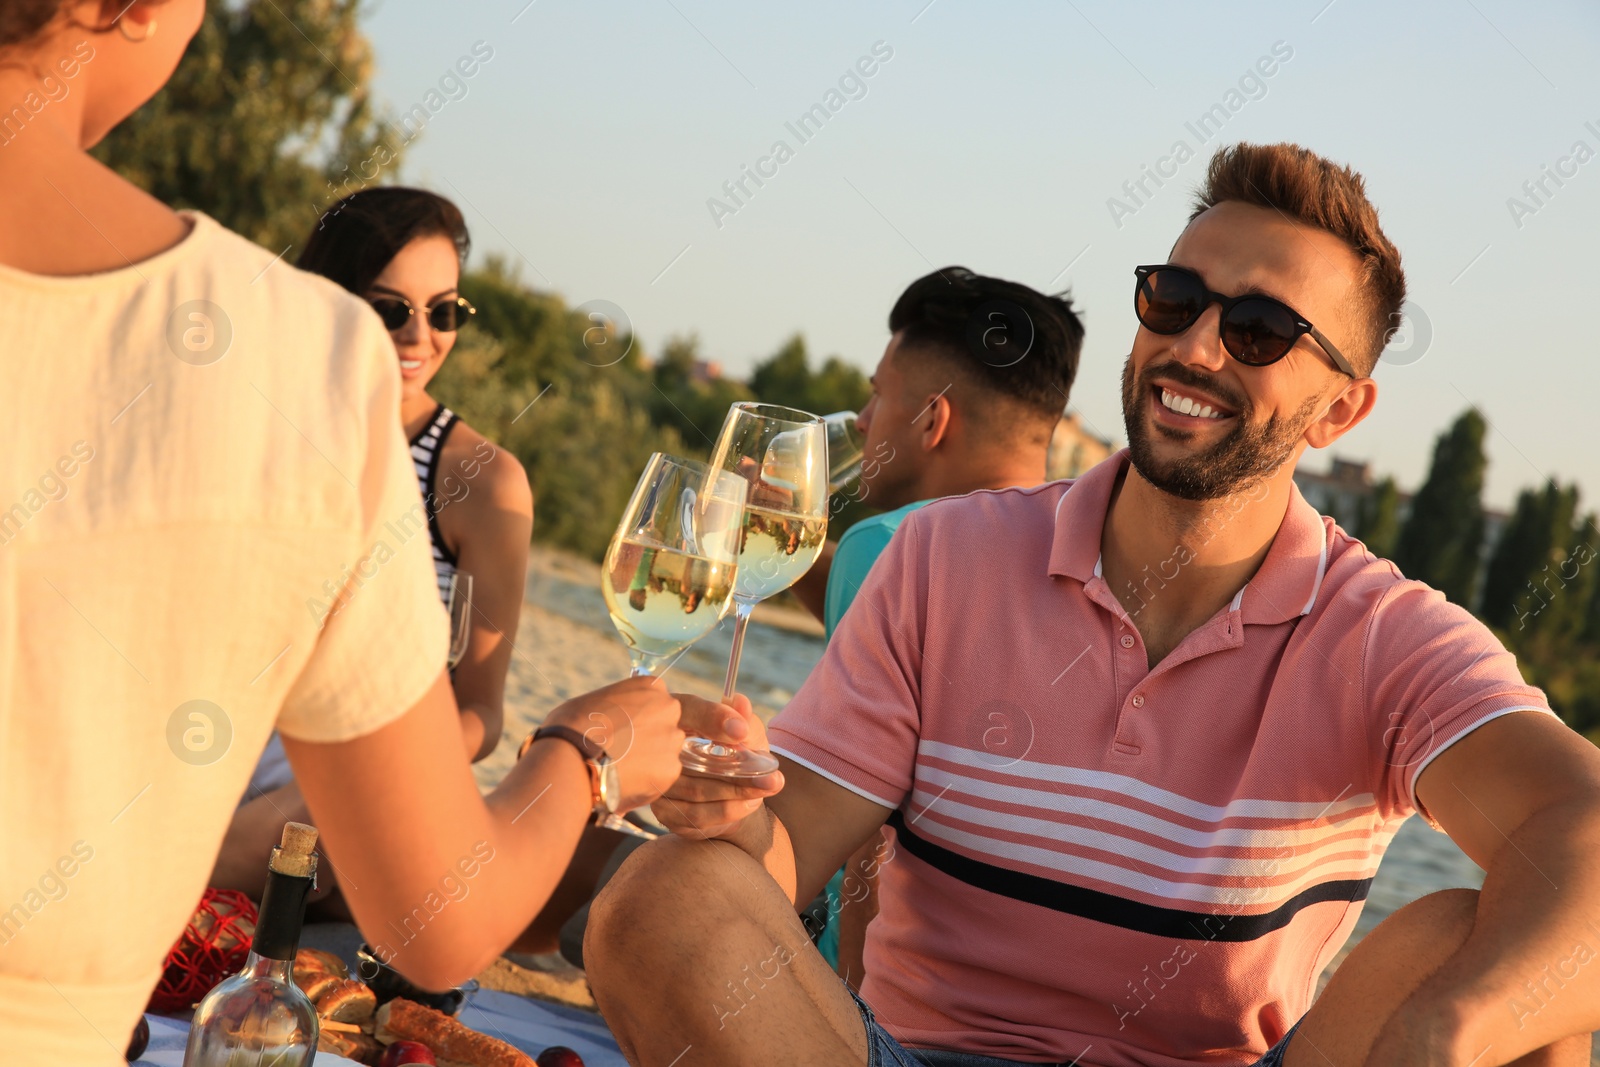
x,y
1311,189
357,237
1007,337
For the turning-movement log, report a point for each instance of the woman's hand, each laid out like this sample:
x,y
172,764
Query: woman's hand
x,y
636,722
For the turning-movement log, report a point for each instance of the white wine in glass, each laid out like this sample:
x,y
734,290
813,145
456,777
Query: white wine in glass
x,y
669,573
782,454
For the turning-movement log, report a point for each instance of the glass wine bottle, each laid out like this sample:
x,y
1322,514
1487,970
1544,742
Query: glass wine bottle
x,y
259,1016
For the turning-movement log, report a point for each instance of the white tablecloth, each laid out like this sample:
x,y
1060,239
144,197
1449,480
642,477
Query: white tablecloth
x,y
530,1025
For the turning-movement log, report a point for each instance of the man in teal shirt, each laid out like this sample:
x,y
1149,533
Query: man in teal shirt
x,y
965,397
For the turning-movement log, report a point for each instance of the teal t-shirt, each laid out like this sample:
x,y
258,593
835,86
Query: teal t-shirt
x,y
858,550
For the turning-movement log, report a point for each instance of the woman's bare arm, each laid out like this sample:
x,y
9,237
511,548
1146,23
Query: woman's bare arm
x,y
487,520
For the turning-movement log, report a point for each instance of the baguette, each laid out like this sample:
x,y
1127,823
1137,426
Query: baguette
x,y
450,1041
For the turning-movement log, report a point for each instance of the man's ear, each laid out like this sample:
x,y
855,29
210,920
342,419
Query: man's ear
x,y
1344,414
933,425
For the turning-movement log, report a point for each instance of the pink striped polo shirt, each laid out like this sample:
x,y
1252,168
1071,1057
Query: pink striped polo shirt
x,y
1101,862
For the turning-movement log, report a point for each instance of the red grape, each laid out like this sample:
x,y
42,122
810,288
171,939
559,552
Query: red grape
x,y
559,1056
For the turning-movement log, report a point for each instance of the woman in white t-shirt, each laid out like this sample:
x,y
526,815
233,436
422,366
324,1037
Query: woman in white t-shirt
x,y
198,438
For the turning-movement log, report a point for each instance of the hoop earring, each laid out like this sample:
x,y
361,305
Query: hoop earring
x,y
149,31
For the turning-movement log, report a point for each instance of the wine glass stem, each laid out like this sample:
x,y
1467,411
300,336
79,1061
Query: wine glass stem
x,y
741,619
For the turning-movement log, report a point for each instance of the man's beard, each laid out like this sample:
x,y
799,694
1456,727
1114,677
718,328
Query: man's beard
x,y
1241,459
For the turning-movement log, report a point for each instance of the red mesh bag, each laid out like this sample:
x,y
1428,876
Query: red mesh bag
x,y
213,946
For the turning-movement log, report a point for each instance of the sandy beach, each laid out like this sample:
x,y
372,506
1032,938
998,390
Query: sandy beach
x,y
566,646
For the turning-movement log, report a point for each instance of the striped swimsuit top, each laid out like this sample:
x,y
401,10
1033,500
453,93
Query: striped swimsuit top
x,y
426,448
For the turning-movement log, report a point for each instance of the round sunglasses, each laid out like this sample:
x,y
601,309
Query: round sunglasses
x,y
1256,330
445,317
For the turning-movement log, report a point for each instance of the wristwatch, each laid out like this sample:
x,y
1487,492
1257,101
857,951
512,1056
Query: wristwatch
x,y
605,788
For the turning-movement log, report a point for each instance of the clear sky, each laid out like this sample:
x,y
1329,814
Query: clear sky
x,y
994,136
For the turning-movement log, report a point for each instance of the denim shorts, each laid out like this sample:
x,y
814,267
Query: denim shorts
x,y
885,1051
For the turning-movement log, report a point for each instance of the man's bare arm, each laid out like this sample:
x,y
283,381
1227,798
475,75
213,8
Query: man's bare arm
x,y
404,821
1521,796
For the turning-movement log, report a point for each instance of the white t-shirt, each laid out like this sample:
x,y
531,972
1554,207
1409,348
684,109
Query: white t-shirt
x,y
200,451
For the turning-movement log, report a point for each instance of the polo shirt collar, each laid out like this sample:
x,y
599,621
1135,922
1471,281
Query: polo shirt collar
x,y
1285,587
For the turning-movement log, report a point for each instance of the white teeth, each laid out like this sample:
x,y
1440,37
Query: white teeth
x,y
411,364
1185,406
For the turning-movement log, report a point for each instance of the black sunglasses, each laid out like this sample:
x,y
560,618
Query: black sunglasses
x,y
1256,330
446,316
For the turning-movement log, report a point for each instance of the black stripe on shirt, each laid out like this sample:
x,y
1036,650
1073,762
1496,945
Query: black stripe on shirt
x,y
1118,911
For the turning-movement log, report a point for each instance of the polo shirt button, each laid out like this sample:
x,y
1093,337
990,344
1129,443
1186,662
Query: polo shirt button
x,y
1138,700
1127,640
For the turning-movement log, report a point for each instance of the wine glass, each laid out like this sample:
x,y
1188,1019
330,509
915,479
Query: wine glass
x,y
845,449
458,601
669,573
783,455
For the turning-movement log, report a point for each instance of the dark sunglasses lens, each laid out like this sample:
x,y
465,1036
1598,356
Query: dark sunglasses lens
x,y
394,313
443,317
447,318
1168,301
1258,332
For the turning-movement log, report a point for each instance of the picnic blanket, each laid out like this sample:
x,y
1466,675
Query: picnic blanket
x,y
530,1025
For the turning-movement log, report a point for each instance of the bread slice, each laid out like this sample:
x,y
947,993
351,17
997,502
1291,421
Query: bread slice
x,y
316,983
347,1002
316,959
359,1047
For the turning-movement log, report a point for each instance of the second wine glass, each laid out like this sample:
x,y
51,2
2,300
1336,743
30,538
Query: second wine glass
x,y
782,455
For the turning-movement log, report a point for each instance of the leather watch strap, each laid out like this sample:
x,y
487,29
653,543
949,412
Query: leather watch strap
x,y
589,749
590,752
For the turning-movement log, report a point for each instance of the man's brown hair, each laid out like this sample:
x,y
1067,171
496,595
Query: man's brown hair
x,y
1310,189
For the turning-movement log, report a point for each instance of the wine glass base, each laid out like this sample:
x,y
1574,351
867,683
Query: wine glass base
x,y
712,760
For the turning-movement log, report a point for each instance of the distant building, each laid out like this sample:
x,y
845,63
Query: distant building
x,y
705,371
1342,491
1073,448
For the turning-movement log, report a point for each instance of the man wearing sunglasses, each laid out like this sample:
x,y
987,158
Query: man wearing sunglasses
x,y
1142,739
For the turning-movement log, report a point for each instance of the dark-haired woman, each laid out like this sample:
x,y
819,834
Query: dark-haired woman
x,y
402,250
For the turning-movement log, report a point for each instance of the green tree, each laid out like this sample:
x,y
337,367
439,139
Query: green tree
x,y
1519,582
1442,540
1378,518
838,387
572,405
786,378
693,404
266,122
1589,538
